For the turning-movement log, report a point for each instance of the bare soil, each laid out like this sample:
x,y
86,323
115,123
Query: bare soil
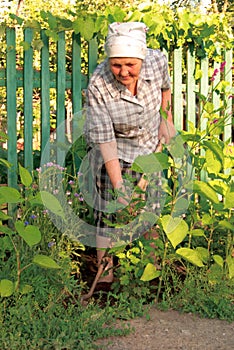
x,y
171,330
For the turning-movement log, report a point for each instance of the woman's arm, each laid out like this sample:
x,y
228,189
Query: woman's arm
x,y
166,129
110,157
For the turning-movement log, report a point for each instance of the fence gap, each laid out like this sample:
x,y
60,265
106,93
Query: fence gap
x,y
190,90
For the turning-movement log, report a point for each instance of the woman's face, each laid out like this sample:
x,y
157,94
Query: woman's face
x,y
126,70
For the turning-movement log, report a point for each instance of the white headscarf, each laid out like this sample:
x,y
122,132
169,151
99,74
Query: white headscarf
x,y
126,40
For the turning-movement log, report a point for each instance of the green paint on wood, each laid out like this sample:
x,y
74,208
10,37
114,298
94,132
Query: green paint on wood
x,y
45,95
28,101
11,106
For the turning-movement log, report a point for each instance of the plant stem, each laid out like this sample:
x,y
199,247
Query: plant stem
x,y
162,271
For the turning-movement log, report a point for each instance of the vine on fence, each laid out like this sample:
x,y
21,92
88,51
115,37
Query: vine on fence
x,y
203,34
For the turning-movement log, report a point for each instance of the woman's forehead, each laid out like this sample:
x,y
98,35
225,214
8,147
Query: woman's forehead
x,y
124,60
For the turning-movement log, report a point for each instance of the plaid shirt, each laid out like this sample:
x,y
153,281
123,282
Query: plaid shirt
x,y
114,114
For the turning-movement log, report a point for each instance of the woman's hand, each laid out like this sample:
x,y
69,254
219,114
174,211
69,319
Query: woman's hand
x,y
166,131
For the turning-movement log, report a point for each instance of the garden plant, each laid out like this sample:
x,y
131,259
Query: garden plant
x,y
184,260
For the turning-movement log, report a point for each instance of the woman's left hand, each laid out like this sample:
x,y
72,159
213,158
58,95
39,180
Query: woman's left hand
x,y
166,131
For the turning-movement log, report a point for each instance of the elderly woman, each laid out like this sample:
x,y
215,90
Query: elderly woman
x,y
125,95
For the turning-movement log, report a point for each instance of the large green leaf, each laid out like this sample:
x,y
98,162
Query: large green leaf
x,y
150,273
9,195
151,163
86,27
176,229
25,176
229,200
205,190
6,288
218,259
176,147
30,234
216,149
52,203
190,255
45,261
213,165
5,162
226,224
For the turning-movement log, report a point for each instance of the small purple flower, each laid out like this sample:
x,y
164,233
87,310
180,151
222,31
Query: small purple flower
x,y
214,74
214,121
71,182
76,195
51,244
46,211
81,199
33,216
26,223
79,173
222,65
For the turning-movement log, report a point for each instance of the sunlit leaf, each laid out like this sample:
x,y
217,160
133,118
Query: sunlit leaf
x,y
176,229
229,200
150,273
45,261
197,232
6,288
52,203
30,234
205,190
25,176
190,255
9,195
218,259
230,264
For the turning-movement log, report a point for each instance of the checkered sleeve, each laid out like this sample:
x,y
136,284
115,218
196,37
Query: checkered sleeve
x,y
166,81
98,125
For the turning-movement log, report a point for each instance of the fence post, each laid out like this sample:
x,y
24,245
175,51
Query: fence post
x,y
76,74
11,106
28,101
92,56
45,95
177,89
61,87
228,77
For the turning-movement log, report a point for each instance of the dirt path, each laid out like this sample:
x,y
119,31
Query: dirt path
x,y
171,330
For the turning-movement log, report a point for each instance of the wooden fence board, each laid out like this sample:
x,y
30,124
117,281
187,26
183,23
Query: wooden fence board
x,y
45,92
28,102
228,57
177,89
11,106
60,96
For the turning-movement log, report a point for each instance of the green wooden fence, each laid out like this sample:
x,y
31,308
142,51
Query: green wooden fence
x,y
27,77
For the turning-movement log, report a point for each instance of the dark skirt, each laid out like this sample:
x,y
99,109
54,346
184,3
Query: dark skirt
x,y
117,223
